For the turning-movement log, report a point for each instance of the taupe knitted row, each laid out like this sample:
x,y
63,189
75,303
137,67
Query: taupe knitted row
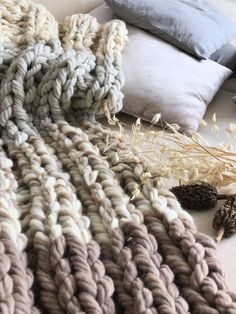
x,y
69,273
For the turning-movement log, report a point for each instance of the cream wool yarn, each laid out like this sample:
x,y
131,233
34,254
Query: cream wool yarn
x,y
23,22
91,246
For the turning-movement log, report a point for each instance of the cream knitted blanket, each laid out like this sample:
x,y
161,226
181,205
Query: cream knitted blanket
x,y
75,236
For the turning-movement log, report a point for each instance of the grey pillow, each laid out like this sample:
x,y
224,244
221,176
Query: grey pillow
x,y
194,26
225,56
162,79
102,13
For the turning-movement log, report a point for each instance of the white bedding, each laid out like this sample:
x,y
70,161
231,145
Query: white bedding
x,y
221,105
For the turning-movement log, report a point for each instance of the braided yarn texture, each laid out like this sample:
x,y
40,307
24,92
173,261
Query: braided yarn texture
x,y
73,239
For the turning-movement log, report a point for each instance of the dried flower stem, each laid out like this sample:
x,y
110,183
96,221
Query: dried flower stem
x,y
224,196
220,234
172,155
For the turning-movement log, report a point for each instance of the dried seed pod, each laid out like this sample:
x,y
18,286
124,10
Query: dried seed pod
x,y
196,196
224,221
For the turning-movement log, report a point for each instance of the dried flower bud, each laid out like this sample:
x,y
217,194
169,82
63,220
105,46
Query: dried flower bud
x,y
224,221
203,123
156,118
213,119
196,196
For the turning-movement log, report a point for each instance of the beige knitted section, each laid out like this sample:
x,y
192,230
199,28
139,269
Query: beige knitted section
x,y
25,21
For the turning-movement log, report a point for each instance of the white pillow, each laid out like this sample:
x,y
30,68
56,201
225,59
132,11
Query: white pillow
x,y
162,79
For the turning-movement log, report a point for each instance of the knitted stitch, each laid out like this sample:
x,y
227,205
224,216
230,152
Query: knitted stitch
x,y
72,220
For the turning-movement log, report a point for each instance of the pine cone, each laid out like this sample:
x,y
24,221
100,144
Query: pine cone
x,y
196,196
224,221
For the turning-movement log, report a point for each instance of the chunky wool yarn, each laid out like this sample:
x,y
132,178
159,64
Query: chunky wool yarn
x,y
73,239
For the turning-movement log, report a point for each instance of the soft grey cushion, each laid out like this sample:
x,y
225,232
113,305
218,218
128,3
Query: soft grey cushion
x,y
102,13
194,26
226,56
162,79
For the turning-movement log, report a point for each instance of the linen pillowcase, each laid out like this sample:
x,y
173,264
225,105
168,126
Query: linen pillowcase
x,y
102,13
225,56
160,78
194,26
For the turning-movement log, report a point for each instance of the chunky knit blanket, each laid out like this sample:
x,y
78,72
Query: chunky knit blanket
x,y
80,230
